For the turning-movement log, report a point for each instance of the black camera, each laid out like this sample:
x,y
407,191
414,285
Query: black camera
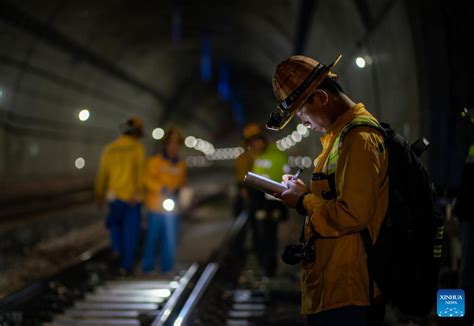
x,y
294,254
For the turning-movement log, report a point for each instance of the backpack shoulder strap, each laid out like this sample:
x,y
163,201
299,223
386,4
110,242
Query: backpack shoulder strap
x,y
332,162
334,153
370,260
362,121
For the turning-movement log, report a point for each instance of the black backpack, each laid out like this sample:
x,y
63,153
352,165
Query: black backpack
x,y
404,261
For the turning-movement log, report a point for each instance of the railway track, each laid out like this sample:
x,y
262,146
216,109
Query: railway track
x,y
92,293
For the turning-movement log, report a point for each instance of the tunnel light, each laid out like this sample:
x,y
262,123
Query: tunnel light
x,y
168,205
1,93
306,134
290,141
79,163
199,144
301,129
164,293
157,133
360,62
190,141
236,152
278,144
296,136
84,115
210,151
299,161
291,161
174,284
224,155
34,149
306,162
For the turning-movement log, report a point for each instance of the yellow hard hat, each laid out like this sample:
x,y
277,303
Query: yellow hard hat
x,y
252,130
295,79
133,125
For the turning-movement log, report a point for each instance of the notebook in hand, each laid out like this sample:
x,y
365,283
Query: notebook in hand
x,y
264,184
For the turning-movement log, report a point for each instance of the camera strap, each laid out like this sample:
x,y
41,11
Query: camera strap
x,y
311,240
302,232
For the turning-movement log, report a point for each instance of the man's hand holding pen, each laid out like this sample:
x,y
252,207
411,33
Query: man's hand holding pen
x,y
296,187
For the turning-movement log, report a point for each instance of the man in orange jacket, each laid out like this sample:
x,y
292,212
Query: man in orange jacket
x,y
120,181
348,192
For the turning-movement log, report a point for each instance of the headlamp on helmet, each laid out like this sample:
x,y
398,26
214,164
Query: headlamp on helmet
x,y
288,107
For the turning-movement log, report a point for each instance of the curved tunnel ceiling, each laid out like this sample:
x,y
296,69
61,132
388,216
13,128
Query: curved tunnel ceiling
x,y
161,76
144,58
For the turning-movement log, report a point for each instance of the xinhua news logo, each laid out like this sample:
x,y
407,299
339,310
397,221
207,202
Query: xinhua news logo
x,y
450,303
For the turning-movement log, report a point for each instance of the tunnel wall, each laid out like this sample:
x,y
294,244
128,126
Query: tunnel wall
x,y
443,54
419,79
44,86
388,86
416,80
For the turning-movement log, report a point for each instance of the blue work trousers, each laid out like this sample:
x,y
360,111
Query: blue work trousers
x,y
123,223
161,233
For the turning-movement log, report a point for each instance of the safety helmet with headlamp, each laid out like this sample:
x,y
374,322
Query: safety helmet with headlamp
x,y
294,81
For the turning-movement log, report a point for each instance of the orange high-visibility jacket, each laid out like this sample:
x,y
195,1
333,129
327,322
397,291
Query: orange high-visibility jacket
x,y
162,177
339,275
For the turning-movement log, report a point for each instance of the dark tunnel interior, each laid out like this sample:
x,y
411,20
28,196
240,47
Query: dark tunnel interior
x,y
71,72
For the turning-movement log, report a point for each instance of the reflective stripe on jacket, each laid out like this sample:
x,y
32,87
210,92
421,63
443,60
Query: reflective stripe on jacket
x,y
121,169
339,276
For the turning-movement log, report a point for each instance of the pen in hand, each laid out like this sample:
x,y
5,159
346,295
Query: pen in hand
x,y
297,174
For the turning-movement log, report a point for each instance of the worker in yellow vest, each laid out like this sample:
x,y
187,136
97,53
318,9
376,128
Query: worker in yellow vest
x,y
265,212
